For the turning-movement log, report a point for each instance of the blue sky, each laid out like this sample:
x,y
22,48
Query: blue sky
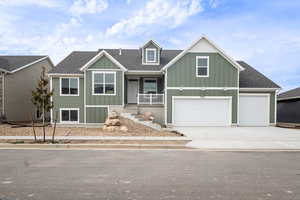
x,y
264,33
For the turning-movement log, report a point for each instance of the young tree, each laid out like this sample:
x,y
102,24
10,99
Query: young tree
x,y
41,98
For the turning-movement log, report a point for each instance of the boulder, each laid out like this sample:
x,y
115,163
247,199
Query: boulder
x,y
123,128
113,115
110,128
148,116
112,122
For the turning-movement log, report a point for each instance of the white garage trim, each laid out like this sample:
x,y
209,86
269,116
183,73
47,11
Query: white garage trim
x,y
204,97
258,94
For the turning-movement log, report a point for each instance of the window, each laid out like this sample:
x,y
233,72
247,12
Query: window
x,y
150,55
69,86
104,83
202,66
69,115
150,86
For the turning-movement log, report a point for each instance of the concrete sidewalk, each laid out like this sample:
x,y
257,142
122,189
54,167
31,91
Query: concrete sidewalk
x,y
145,138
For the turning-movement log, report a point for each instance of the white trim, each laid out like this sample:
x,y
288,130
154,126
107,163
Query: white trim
x,y
155,43
103,69
51,100
258,89
65,75
84,96
275,107
228,58
202,88
104,72
207,67
166,98
238,98
204,97
97,106
98,56
60,87
140,72
69,122
155,55
258,94
29,64
151,79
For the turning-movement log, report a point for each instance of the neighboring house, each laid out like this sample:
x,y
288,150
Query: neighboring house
x,y
198,86
288,106
19,76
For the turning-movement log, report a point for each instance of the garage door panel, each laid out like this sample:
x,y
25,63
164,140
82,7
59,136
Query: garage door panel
x,y
254,110
202,112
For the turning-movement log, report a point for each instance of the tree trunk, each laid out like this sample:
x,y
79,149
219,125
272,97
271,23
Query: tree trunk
x,y
53,134
44,124
32,121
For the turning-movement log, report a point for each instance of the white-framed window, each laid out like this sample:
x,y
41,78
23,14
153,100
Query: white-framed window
x,y
69,115
202,66
151,55
150,86
69,86
104,83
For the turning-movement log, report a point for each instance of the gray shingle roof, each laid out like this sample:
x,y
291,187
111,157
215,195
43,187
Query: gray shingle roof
x,y
11,63
131,59
251,78
294,93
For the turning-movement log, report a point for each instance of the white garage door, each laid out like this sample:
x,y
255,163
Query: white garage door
x,y
254,109
203,111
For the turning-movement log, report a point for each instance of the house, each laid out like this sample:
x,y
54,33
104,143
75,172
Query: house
x,y
288,106
19,76
199,86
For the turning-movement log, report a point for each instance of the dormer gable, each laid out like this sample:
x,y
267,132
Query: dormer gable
x,y
151,52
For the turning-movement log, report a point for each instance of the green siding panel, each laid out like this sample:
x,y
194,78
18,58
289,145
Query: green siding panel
x,y
272,103
96,114
104,63
232,93
68,101
104,99
221,72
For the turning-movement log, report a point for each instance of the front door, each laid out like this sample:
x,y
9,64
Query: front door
x,y
132,91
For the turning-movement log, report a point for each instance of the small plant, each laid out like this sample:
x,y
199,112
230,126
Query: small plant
x,y
41,98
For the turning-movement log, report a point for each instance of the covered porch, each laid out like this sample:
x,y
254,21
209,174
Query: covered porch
x,y
144,89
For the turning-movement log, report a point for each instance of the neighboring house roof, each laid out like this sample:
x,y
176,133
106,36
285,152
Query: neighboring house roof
x,y
129,58
251,78
291,94
12,64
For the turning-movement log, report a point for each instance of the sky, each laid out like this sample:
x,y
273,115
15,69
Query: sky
x,y
264,33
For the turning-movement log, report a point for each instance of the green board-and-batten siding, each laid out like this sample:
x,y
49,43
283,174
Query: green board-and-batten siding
x,y
104,63
221,72
67,101
232,93
272,103
96,114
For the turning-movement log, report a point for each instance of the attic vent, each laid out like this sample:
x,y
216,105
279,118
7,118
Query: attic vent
x,y
120,51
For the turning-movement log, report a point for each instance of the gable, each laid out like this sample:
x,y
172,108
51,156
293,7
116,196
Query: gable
x,y
204,45
151,46
104,63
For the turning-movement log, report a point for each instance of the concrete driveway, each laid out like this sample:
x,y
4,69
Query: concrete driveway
x,y
242,137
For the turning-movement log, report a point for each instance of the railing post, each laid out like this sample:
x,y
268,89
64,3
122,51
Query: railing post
x,y
138,98
150,98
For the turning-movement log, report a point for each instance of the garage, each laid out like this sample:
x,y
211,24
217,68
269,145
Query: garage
x,y
201,111
254,109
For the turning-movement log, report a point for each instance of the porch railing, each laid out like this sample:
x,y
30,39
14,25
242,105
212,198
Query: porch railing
x,y
150,99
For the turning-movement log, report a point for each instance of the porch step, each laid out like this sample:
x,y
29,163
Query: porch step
x,y
135,118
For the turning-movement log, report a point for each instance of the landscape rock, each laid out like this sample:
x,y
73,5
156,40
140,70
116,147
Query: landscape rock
x,y
148,116
112,122
123,128
113,115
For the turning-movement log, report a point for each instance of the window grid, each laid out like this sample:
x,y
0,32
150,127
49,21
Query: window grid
x,y
71,90
104,83
201,66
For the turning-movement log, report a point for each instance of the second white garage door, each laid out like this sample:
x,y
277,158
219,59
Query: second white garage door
x,y
201,111
254,109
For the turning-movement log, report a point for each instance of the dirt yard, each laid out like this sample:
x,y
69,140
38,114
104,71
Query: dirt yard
x,y
134,129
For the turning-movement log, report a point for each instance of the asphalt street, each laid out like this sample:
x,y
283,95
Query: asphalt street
x,y
148,175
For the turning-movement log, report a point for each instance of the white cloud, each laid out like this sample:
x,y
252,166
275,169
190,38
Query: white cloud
x,y
170,13
81,7
45,3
